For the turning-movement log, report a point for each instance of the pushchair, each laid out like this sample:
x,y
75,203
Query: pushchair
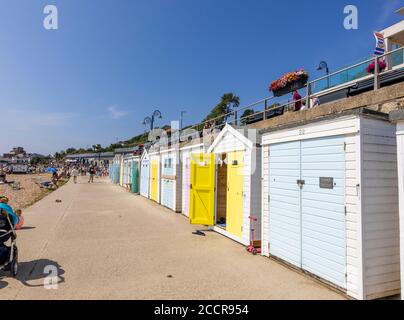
x,y
8,253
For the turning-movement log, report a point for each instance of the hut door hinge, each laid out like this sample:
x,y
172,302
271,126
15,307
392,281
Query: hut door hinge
x,y
269,198
345,211
344,146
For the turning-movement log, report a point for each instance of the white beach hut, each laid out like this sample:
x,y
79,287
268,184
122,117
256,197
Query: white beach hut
x,y
330,201
171,178
226,185
145,174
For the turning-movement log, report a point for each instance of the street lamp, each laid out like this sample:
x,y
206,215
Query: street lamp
x,y
323,65
150,120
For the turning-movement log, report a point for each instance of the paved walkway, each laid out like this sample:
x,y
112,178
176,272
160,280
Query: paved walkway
x,y
109,244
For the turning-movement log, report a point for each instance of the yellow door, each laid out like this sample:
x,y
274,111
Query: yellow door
x,y
202,189
235,175
154,181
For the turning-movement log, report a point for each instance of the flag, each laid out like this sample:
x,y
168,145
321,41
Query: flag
x,y
380,46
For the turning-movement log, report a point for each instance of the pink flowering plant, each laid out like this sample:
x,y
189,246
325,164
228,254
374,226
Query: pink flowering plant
x,y
371,67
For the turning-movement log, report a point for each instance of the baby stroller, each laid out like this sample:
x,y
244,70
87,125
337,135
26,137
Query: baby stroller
x,y
8,254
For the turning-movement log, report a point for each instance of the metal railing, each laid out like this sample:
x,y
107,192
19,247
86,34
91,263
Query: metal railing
x,y
315,88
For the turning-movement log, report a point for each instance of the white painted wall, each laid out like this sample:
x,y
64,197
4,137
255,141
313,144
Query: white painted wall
x,y
255,193
353,216
381,258
264,199
400,157
229,143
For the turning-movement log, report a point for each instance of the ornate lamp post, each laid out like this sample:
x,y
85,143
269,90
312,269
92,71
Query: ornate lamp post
x,y
323,65
150,120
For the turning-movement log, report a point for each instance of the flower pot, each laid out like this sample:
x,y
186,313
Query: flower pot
x,y
290,87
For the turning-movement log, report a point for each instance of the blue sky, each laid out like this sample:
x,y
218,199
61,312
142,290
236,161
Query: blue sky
x,y
112,61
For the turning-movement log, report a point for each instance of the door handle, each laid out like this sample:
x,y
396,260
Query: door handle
x,y
301,183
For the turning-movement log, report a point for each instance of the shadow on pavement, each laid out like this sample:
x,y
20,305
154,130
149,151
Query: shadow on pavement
x,y
37,273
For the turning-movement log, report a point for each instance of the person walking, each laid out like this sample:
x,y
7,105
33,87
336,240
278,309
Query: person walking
x,y
55,178
75,173
91,171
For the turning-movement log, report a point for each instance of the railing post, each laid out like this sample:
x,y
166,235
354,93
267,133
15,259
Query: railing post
x,y
308,93
235,117
265,109
376,74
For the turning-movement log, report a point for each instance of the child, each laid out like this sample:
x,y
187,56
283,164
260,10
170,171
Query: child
x,y
20,223
5,210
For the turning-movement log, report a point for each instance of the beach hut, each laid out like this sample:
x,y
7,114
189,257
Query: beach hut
x,y
126,172
171,178
226,185
155,169
131,173
330,200
145,174
116,166
398,117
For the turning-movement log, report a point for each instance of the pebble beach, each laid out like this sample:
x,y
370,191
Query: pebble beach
x,y
29,191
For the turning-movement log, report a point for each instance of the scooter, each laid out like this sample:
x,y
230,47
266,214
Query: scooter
x,y
252,248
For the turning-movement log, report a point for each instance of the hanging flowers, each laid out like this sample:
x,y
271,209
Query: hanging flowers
x,y
289,82
371,67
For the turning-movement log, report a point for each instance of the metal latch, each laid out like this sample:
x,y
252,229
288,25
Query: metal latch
x,y
301,183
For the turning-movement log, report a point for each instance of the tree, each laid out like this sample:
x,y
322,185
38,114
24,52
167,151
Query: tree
x,y
97,147
227,103
70,150
244,116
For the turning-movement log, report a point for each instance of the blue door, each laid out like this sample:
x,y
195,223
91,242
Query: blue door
x,y
284,205
323,208
167,185
307,206
117,173
145,178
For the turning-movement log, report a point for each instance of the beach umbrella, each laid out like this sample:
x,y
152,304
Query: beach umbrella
x,y
51,170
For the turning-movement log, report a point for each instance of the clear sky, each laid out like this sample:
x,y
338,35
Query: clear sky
x,y
111,62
